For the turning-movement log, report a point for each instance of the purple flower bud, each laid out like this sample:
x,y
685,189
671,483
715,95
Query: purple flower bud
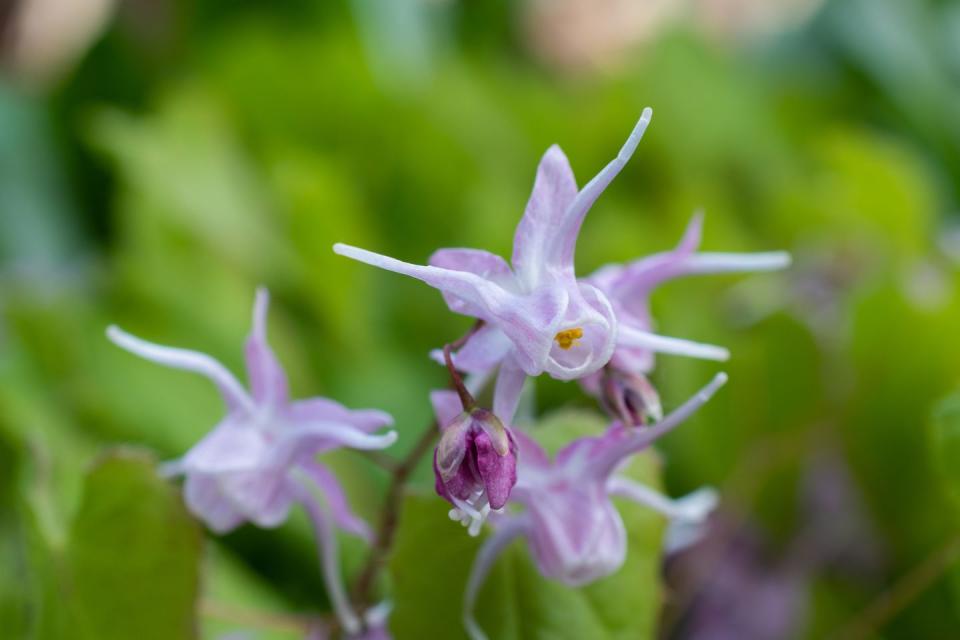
x,y
475,465
630,398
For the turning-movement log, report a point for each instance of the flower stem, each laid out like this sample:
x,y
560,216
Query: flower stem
x,y
390,517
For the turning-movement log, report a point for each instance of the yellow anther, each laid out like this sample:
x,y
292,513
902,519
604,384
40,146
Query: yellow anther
x,y
568,337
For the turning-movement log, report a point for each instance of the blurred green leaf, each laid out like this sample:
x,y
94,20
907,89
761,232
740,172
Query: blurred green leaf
x,y
129,565
433,557
946,442
134,554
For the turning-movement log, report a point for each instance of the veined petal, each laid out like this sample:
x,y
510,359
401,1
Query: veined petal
x,y
576,534
630,337
487,265
639,278
598,457
533,468
528,320
268,382
206,500
499,472
554,190
483,351
263,496
233,393
336,499
642,494
303,439
233,445
464,285
566,237
446,406
506,393
591,316
511,529
326,410
688,515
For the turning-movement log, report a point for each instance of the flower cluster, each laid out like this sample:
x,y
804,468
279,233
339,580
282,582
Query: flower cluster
x,y
261,458
534,316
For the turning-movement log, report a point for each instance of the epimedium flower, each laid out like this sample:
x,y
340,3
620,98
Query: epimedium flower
x,y
537,316
475,462
260,459
565,513
628,288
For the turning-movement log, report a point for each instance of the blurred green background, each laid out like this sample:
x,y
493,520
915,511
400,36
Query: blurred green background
x,y
159,159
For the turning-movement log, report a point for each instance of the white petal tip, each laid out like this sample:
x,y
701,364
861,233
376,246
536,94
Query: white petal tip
x,y
720,379
122,339
344,250
717,354
647,114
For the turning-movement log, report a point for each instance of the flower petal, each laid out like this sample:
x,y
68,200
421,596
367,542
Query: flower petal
x,y
446,406
326,410
206,500
483,351
263,496
506,394
597,457
268,382
576,534
233,393
637,279
469,287
487,265
336,500
630,337
326,540
558,254
499,472
554,190
529,321
493,546
688,515
304,439
233,445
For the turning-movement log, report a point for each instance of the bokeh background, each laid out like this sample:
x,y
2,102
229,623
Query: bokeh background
x,y
159,159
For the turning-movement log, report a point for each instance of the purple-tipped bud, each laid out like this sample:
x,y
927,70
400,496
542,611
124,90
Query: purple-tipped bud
x,y
630,398
475,465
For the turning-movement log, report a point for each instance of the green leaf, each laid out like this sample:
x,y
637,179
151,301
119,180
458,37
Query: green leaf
x,y
432,561
133,553
946,442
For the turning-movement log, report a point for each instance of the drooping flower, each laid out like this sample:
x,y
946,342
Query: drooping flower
x,y
475,462
574,531
537,316
261,457
628,288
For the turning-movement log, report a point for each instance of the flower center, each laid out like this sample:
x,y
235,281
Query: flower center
x,y
568,338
